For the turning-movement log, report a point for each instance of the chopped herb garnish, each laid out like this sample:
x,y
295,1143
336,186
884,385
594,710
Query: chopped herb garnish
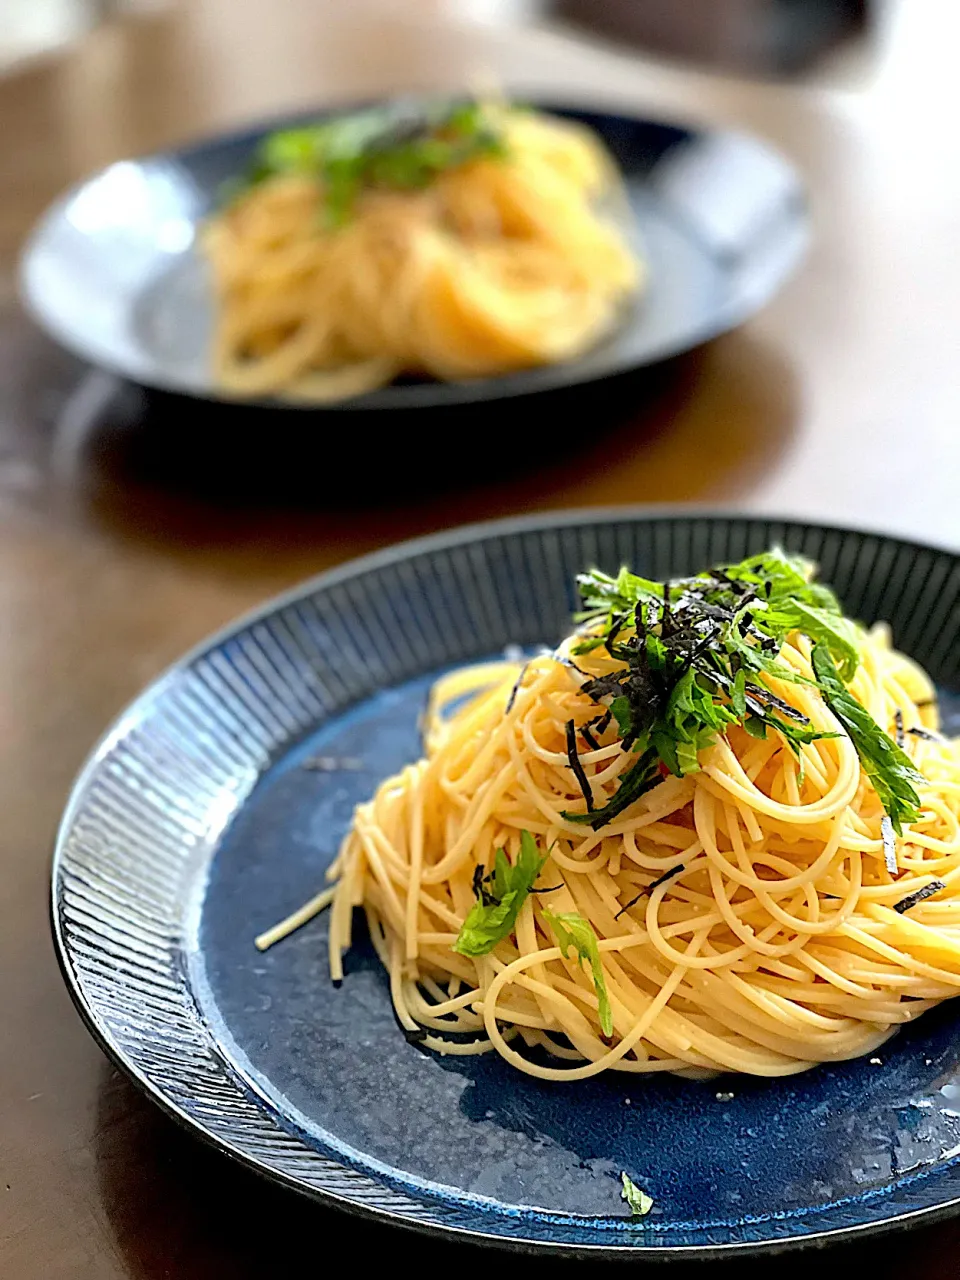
x,y
889,769
403,148
638,1200
500,895
575,933
649,888
698,654
921,895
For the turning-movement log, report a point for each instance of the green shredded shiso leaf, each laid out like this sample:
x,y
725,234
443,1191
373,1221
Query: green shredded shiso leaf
x,y
890,769
698,656
402,148
500,895
638,1200
575,934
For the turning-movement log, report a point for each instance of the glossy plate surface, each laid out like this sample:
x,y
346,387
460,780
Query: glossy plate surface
x,y
196,825
113,273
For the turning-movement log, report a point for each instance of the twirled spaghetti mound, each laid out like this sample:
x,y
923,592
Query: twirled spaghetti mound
x,y
729,835
462,243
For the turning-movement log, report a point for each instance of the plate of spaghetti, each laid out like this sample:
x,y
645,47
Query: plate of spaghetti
x,y
416,252
588,882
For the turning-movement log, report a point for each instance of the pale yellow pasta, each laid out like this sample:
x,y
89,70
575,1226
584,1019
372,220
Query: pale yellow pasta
x,y
774,948
502,263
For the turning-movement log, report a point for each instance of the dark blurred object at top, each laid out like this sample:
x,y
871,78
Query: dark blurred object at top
x,y
746,35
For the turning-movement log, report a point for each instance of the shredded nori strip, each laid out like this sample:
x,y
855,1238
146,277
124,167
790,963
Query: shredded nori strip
x,y
516,689
921,895
637,781
600,724
576,766
898,721
667,875
649,888
596,687
552,889
928,735
632,903
479,885
616,626
889,845
766,695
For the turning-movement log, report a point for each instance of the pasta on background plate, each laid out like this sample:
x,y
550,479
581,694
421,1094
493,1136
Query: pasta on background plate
x,y
453,242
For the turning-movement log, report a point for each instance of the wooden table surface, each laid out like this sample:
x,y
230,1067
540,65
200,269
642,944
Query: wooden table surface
x,y
122,543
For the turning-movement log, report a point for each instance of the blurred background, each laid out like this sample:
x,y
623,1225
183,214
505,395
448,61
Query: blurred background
x,y
773,35
801,410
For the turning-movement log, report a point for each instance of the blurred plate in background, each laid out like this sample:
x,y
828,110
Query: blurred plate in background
x,y
112,271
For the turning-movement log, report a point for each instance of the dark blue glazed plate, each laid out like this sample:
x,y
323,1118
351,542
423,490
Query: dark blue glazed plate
x,y
112,271
198,823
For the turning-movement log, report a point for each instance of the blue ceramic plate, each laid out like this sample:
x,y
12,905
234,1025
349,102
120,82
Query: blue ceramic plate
x,y
112,271
196,825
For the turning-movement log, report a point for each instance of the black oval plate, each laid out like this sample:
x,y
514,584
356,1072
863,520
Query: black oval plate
x,y
112,270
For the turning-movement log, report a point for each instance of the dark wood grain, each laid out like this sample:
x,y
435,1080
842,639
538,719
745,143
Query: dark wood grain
x,y
127,532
